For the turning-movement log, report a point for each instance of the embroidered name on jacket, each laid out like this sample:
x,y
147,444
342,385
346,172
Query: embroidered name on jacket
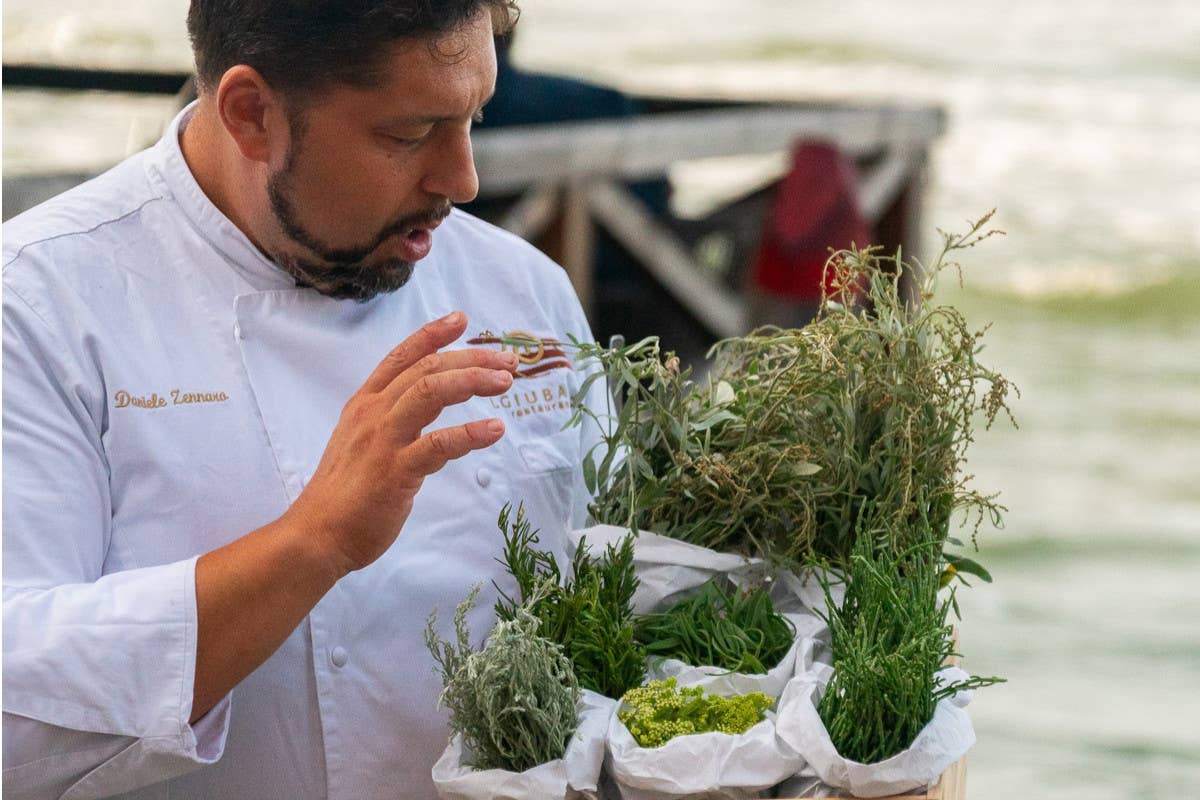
x,y
178,397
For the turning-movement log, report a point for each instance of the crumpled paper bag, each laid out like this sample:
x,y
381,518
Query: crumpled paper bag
x,y
668,569
946,739
575,775
702,765
798,660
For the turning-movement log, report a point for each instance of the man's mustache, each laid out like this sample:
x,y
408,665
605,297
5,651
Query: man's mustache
x,y
421,219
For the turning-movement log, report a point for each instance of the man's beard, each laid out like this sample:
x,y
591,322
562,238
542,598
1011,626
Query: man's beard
x,y
341,272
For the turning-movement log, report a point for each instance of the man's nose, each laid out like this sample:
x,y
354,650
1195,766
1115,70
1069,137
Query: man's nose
x,y
451,171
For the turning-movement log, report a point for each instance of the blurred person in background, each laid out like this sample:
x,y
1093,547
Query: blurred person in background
x,y
243,459
528,97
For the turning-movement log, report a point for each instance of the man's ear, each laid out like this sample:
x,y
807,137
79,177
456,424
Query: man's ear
x,y
251,113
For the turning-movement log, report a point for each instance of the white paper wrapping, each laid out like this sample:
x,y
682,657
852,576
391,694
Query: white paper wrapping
x,y
575,775
946,739
798,660
702,765
669,569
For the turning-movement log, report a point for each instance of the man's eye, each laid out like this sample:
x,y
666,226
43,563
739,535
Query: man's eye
x,y
409,141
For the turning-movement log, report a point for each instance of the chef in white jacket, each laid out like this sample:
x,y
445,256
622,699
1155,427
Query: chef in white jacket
x,y
259,422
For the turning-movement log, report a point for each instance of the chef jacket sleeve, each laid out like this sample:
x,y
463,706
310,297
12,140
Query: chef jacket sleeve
x,y
98,669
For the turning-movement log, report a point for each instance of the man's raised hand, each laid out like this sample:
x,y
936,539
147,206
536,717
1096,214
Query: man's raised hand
x,y
379,454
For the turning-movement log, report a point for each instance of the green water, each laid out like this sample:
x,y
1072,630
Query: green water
x,y
1093,616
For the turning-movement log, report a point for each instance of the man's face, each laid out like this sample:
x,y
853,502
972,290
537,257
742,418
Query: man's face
x,y
368,173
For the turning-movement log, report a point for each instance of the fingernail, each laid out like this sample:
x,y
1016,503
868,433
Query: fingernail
x,y
495,426
453,318
501,379
510,359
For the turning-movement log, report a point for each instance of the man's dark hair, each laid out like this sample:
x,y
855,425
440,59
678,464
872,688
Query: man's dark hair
x,y
303,46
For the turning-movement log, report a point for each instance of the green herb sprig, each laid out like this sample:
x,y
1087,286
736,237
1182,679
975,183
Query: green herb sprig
x,y
739,631
675,458
515,701
890,638
659,711
798,430
589,613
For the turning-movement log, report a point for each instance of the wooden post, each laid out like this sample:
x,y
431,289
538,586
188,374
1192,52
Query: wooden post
x,y
578,241
534,212
900,221
718,310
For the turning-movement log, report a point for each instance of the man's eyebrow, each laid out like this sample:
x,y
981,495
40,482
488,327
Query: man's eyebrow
x,y
435,118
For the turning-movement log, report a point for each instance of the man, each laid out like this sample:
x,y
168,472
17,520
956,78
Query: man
x,y
242,460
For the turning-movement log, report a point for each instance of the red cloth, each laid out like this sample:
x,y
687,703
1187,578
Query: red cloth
x,y
815,208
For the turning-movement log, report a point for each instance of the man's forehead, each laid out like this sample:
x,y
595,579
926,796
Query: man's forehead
x,y
427,73
470,41
411,83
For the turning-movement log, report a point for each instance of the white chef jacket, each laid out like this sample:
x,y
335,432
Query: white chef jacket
x,y
166,391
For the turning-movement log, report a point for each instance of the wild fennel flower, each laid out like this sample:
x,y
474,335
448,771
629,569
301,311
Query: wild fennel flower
x,y
659,711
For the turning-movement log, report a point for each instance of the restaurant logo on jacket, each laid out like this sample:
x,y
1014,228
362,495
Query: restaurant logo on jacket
x,y
536,356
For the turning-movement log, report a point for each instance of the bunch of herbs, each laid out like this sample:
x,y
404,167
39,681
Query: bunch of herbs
x,y
738,630
796,431
890,638
660,711
515,702
589,613
678,458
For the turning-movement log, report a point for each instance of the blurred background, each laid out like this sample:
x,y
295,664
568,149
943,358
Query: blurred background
x,y
1080,122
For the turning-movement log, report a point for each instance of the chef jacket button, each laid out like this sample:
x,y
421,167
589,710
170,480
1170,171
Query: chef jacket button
x,y
339,656
483,477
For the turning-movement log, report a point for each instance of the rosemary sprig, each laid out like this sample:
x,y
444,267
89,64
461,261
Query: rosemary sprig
x,y
588,613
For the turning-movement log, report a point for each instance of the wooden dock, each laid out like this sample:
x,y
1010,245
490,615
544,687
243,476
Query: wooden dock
x,y
565,181
570,179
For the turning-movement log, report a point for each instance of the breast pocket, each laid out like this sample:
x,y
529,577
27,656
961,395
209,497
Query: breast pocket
x,y
547,478
558,451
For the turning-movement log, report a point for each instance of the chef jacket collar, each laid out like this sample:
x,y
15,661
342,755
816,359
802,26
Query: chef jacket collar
x,y
170,170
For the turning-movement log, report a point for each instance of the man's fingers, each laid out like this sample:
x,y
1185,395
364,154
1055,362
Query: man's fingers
x,y
430,337
430,453
428,396
448,361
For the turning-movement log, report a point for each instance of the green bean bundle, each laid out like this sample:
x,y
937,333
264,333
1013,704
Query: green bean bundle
x,y
738,631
